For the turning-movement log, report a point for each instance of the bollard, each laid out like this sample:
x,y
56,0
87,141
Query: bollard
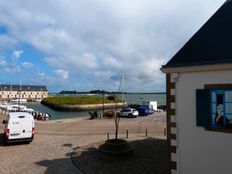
x,y
146,132
127,134
108,136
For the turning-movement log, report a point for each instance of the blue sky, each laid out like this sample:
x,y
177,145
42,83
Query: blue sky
x,y
84,44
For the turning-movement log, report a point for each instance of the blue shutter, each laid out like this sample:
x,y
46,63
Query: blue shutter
x,y
203,107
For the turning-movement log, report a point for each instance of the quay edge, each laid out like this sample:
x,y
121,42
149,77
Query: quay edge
x,y
87,107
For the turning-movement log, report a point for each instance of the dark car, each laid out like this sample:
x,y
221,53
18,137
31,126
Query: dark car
x,y
148,107
143,111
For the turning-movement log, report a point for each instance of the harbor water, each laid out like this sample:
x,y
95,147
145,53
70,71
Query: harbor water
x,y
129,98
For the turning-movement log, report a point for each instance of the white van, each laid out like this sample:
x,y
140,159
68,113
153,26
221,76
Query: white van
x,y
19,126
152,104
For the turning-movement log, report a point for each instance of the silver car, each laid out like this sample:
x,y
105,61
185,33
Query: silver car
x,y
129,112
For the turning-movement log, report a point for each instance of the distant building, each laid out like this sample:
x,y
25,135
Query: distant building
x,y
29,92
199,99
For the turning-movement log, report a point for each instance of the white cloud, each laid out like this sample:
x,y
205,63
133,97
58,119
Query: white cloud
x,y
63,74
2,62
13,69
17,54
6,42
93,42
9,66
27,64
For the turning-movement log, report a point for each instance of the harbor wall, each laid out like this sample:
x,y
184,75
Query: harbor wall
x,y
88,107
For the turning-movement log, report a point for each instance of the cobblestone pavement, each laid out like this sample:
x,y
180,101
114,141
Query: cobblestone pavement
x,y
149,157
55,140
46,154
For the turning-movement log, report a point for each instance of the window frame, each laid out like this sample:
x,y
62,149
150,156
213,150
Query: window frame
x,y
224,88
225,113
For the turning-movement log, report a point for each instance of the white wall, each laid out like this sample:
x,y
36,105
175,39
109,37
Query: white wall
x,y
200,151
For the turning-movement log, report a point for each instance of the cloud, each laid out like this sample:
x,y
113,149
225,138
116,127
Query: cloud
x,y
13,69
94,42
2,62
17,54
9,66
6,42
27,64
63,74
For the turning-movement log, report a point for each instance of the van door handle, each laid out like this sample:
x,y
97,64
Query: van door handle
x,y
23,131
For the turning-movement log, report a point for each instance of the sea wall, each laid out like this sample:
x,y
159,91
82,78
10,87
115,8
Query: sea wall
x,y
65,107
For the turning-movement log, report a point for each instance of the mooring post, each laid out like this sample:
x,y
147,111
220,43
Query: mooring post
x,y
127,134
146,132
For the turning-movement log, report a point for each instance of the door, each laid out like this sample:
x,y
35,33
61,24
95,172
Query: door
x,y
26,128
14,127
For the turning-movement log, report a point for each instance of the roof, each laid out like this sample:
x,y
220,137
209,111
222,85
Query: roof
x,y
17,114
211,45
6,87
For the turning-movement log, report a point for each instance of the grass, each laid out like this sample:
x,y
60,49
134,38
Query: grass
x,y
78,100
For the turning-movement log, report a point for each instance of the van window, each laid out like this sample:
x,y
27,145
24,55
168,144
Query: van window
x,y
21,116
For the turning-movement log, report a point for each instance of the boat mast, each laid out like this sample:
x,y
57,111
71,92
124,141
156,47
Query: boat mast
x,y
121,89
20,89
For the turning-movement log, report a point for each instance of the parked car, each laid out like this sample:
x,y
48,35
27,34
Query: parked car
x,y
129,112
148,107
143,111
19,126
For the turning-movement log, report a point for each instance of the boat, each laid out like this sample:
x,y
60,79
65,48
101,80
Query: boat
x,y
15,107
21,100
38,100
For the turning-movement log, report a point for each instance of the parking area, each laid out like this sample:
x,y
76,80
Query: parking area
x,y
55,140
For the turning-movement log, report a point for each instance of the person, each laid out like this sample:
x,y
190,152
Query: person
x,y
95,114
219,118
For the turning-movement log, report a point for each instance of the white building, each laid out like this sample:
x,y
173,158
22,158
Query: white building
x,y
199,99
29,92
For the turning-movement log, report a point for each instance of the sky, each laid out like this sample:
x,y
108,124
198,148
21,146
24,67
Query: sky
x,y
85,45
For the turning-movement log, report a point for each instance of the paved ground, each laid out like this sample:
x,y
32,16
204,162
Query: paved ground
x,y
56,140
149,157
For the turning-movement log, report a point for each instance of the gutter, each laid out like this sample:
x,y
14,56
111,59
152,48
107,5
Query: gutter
x,y
199,68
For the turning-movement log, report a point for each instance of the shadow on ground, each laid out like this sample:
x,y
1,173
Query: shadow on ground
x,y
2,140
59,166
4,143
149,157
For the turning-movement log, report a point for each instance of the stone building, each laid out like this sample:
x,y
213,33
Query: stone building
x,y
28,92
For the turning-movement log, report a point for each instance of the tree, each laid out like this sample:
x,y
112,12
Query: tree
x,y
116,122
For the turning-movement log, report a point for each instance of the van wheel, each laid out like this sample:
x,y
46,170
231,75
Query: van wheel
x,y
32,138
130,115
7,142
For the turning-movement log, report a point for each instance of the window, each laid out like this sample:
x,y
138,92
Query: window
x,y
214,108
221,108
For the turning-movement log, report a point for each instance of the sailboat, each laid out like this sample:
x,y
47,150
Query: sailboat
x,y
121,90
19,99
